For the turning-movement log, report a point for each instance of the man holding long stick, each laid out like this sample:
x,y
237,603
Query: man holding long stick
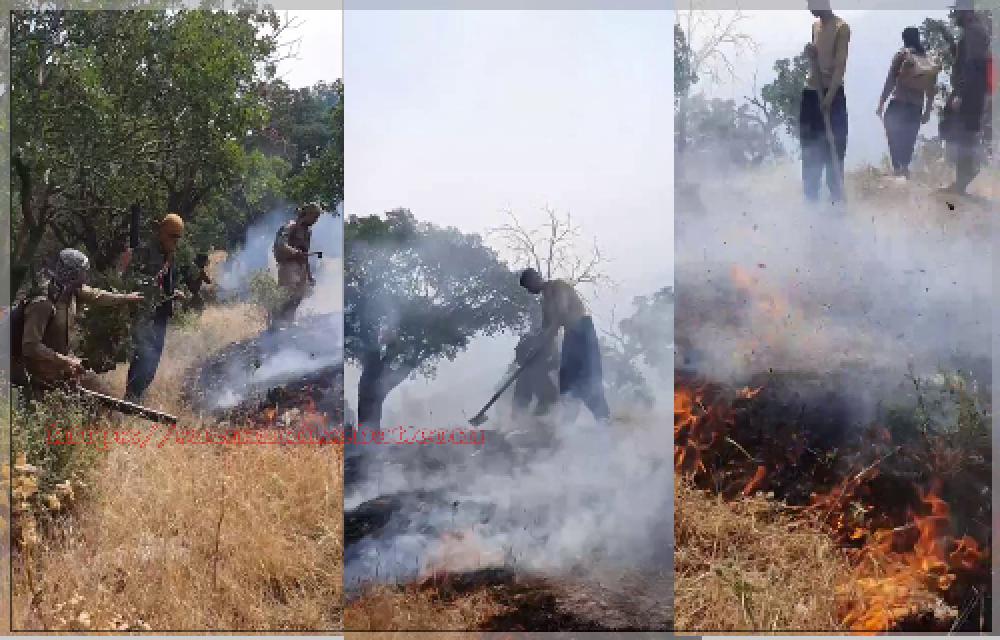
x,y
823,114
580,373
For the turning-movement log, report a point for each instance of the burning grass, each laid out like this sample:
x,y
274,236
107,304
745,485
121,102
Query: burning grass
x,y
906,560
187,346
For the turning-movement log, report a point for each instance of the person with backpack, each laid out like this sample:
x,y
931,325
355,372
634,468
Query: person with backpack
x,y
912,82
823,109
291,252
42,325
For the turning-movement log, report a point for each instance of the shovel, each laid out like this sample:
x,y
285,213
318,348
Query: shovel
x,y
480,417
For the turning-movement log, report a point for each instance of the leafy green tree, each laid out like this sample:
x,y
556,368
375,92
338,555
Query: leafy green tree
x,y
415,293
648,334
779,100
684,73
940,37
727,134
705,44
115,108
321,174
643,340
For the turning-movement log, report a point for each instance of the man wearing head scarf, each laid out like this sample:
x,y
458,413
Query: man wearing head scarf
x,y
49,321
154,269
967,105
291,252
580,373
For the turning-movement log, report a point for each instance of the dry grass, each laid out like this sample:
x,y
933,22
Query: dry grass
x,y
5,487
200,537
746,565
399,608
195,537
185,346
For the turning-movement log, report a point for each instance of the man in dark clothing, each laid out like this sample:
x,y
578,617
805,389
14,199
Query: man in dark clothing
x,y
580,372
156,274
196,277
824,93
966,109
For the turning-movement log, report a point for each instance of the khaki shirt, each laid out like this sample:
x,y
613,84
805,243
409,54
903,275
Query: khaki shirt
x,y
561,305
293,237
831,43
49,328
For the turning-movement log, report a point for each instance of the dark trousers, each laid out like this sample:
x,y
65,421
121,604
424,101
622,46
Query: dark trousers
x,y
816,157
147,342
902,123
580,372
285,314
966,149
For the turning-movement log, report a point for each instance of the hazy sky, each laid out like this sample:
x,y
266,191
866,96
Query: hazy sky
x,y
457,115
318,52
875,37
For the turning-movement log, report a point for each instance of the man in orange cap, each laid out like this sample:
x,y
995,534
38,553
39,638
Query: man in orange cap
x,y
155,270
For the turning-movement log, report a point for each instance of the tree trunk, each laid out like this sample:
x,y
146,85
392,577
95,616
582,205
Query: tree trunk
x,y
369,401
378,378
371,392
680,122
21,265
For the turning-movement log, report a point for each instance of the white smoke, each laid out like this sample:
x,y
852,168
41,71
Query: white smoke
x,y
766,283
257,255
313,344
555,495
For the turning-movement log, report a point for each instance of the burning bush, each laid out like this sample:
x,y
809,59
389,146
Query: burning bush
x,y
882,493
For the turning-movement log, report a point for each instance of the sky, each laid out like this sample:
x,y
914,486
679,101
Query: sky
x,y
318,52
458,115
875,38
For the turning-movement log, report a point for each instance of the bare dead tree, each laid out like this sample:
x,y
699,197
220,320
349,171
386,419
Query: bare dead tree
x,y
715,39
553,247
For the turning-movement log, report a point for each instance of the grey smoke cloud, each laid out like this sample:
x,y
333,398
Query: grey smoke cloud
x,y
765,282
555,496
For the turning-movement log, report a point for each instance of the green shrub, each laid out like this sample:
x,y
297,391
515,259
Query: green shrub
x,y
103,332
267,293
34,424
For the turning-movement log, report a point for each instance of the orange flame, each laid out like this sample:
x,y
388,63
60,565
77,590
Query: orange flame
x,y
892,583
